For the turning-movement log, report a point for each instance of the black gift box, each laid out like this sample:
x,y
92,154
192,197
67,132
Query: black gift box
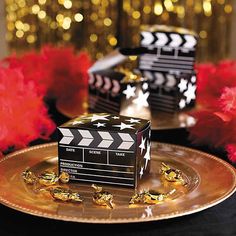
x,y
105,148
168,63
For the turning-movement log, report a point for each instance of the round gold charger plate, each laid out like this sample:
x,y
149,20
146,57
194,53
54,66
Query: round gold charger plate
x,y
210,181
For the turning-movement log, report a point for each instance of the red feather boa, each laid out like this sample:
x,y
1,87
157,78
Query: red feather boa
x,y
216,97
24,116
53,73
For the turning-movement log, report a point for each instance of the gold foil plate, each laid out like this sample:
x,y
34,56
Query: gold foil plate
x,y
210,181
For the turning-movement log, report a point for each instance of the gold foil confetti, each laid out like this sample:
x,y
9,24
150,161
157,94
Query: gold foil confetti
x,y
102,198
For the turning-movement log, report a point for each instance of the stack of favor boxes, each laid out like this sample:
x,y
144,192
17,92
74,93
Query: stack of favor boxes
x,y
168,63
167,80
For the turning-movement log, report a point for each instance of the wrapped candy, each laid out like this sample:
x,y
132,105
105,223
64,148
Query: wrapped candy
x,y
50,178
171,174
149,197
29,177
102,198
65,195
46,178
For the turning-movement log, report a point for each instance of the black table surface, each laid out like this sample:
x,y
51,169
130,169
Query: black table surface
x,y
217,220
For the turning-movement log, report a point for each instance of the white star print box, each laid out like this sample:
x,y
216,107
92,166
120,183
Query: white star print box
x,y
105,148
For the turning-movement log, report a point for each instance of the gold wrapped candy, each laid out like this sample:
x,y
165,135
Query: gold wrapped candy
x,y
48,178
48,182
172,175
64,177
65,195
29,177
102,198
149,197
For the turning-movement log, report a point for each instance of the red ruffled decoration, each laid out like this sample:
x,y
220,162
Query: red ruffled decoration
x,y
216,118
57,73
214,128
60,73
32,66
231,149
24,116
67,72
212,79
228,101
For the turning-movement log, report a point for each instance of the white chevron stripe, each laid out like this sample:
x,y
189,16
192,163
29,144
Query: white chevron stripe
x,y
85,142
107,139
171,80
85,134
127,141
105,143
107,85
87,138
66,132
190,41
176,40
147,38
91,78
99,81
159,78
126,137
105,135
68,136
116,86
66,140
125,145
162,39
148,75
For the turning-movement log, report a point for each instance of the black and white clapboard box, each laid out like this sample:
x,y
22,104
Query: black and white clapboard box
x,y
105,148
171,93
169,49
109,92
168,63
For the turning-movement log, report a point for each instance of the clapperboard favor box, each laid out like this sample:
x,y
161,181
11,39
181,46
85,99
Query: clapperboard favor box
x,y
105,148
117,91
168,63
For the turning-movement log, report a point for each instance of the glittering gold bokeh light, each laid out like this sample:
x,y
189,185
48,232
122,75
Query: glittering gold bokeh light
x,y
101,25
